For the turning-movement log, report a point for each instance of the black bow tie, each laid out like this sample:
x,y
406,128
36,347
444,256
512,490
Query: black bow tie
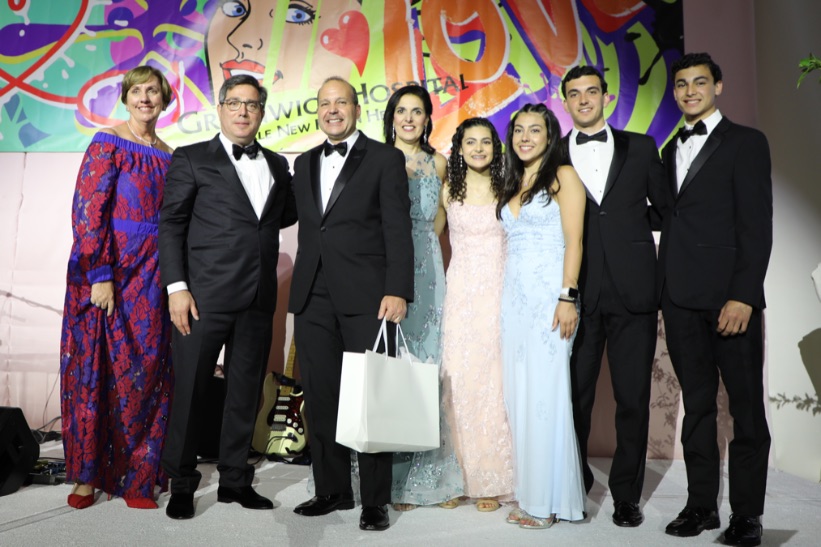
x,y
341,147
601,136
251,150
698,129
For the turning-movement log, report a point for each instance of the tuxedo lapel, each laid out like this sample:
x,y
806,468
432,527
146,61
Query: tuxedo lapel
x,y
228,172
669,159
316,183
710,146
620,148
355,157
272,167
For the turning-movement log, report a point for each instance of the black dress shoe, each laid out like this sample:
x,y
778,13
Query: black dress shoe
x,y
374,517
627,514
245,496
692,521
743,531
180,506
322,505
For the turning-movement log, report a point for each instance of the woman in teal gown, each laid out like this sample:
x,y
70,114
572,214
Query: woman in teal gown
x,y
434,476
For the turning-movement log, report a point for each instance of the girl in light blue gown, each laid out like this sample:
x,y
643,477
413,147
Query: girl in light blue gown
x,y
542,211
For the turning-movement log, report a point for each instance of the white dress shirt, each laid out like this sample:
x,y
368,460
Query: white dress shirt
x,y
592,161
255,175
686,152
256,178
330,168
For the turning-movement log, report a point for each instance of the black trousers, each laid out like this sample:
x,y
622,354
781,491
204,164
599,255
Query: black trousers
x,y
631,345
247,336
699,355
322,335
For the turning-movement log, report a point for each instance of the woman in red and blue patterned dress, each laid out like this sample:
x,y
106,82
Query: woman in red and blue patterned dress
x,y
115,369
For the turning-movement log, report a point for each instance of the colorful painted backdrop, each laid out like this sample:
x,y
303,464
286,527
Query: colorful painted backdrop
x,y
61,62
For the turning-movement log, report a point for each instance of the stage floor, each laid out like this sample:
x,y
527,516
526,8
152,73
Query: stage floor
x,y
38,515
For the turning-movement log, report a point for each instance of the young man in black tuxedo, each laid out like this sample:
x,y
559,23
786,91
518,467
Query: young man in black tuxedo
x,y
225,202
354,267
620,171
715,249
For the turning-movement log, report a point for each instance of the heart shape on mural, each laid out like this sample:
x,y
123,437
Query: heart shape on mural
x,y
351,40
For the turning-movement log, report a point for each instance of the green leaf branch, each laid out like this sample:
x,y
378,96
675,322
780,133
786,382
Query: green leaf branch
x,y
808,65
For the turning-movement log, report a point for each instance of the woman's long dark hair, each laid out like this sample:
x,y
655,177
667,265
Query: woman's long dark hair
x,y
390,109
457,168
554,157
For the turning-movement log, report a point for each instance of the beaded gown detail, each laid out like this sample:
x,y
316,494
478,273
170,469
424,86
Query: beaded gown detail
x,y
537,365
472,358
426,478
115,372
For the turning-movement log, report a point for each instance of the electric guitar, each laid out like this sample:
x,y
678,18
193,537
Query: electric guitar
x,y
280,428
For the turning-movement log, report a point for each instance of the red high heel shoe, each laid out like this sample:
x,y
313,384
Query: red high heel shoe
x,y
80,502
141,503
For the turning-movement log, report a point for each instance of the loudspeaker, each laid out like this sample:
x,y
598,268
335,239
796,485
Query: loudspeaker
x,y
18,450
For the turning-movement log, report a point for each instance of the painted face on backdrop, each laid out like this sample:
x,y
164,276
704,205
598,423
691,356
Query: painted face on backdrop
x,y
240,37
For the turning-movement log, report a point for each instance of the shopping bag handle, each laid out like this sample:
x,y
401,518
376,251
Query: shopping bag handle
x,y
382,336
404,342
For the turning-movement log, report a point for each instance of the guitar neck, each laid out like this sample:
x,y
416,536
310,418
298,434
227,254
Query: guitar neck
x,y
289,368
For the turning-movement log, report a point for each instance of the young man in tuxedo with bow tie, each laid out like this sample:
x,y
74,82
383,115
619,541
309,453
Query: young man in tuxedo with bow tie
x,y
620,171
354,267
225,202
715,249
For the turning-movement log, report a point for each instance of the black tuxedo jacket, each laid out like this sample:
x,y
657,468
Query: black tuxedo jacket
x,y
717,237
618,233
210,236
363,238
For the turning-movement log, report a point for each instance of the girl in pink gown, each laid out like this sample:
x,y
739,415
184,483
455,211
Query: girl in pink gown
x,y
471,360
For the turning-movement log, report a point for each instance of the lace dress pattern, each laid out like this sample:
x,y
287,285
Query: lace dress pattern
x,y
472,359
115,372
426,478
537,365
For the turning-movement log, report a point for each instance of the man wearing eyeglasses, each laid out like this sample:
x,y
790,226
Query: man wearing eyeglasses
x,y
225,202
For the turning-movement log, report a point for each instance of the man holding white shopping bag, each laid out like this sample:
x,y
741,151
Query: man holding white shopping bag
x,y
388,404
354,267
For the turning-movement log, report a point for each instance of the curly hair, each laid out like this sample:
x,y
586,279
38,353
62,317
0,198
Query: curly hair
x,y
390,109
457,168
554,157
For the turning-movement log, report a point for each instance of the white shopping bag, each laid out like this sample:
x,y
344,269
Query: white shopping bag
x,y
388,404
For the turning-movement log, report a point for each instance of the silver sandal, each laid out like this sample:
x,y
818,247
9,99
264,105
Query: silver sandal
x,y
538,523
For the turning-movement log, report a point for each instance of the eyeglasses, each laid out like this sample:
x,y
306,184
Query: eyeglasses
x,y
234,104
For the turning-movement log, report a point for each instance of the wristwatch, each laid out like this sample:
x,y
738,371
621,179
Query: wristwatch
x,y
570,292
